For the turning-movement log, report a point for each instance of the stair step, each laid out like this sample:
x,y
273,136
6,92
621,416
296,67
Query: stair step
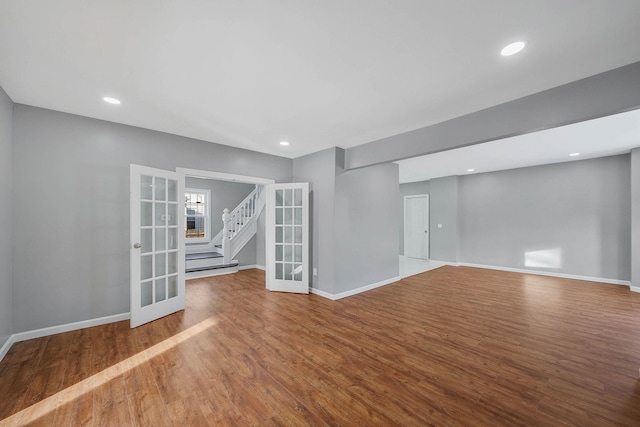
x,y
215,267
204,255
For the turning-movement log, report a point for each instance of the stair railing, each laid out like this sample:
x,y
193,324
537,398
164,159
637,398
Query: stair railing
x,y
237,219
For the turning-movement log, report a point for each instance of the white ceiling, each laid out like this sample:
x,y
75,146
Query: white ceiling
x,y
601,137
318,74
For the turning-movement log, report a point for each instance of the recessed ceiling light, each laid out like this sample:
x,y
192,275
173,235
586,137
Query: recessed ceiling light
x,y
111,100
284,143
574,154
471,170
512,49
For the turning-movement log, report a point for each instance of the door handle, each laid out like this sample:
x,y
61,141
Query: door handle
x,y
137,245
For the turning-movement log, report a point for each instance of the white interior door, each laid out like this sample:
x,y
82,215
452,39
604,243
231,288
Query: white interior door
x,y
287,237
157,244
416,226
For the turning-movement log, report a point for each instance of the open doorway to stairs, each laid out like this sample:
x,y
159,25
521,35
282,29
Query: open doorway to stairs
x,y
224,229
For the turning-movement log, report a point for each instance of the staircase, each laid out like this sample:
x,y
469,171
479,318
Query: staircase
x,y
240,225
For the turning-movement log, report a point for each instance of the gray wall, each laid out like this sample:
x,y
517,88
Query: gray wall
x,y
353,226
635,217
607,93
366,226
408,189
443,209
6,183
580,208
319,169
71,208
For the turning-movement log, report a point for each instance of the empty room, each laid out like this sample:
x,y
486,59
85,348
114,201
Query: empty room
x,y
356,213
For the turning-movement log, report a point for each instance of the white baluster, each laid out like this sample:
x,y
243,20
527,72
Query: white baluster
x,y
226,236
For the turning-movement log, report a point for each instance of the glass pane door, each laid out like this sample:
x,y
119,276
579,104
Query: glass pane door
x,y
288,237
157,254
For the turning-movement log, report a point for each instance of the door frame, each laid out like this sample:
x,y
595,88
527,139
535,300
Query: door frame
x,y
406,231
185,173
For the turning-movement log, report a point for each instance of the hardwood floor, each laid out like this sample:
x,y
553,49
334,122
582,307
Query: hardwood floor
x,y
452,346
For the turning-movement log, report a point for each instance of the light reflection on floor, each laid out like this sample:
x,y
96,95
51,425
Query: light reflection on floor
x,y
37,410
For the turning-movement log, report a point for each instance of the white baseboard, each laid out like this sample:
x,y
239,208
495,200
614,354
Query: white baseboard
x,y
7,345
361,289
322,294
38,333
249,267
634,288
549,273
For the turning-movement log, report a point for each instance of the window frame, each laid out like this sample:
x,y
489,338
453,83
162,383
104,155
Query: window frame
x,y
207,216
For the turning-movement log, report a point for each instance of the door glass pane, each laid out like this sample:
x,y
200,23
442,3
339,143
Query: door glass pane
x,y
279,198
279,270
288,253
161,264
288,197
146,294
161,239
297,272
146,213
145,240
297,253
278,252
146,267
297,197
173,286
161,189
161,289
160,214
278,216
172,211
278,234
298,216
146,187
172,238
288,213
288,268
297,238
173,262
172,190
287,234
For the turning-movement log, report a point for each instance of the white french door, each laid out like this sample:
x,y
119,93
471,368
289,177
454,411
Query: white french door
x,y
416,226
287,252
157,244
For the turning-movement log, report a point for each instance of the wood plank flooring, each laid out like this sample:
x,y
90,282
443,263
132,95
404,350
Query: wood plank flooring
x,y
455,346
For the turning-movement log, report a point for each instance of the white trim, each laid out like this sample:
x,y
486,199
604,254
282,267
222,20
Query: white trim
x,y
323,294
44,332
7,345
404,222
249,267
634,288
196,173
359,290
549,273
38,333
211,273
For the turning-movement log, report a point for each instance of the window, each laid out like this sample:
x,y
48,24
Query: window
x,y
197,206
